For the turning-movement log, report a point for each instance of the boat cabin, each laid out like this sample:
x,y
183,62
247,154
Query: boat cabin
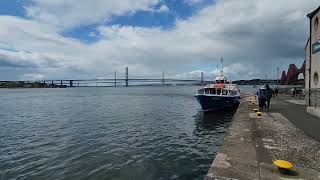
x,y
222,81
217,91
221,87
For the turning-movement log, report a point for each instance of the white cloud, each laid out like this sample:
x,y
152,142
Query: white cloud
x,y
233,71
70,13
196,74
163,8
92,34
32,77
253,35
192,2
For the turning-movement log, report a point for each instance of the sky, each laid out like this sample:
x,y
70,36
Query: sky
x,y
79,39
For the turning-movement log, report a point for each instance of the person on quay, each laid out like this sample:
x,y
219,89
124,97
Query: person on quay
x,y
269,95
276,91
262,97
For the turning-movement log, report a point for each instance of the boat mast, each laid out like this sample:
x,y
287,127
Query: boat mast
x,y
221,71
221,77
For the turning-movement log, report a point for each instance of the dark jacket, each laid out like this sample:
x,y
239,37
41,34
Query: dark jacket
x,y
262,94
269,93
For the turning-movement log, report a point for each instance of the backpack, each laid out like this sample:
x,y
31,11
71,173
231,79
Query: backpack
x,y
262,93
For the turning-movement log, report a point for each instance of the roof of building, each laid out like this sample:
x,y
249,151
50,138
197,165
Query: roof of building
x,y
310,15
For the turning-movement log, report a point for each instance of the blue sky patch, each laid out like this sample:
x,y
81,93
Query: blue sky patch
x,y
12,7
86,34
166,20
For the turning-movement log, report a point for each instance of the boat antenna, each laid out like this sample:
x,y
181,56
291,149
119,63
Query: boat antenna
x,y
221,71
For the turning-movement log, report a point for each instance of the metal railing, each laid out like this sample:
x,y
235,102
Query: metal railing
x,y
293,93
313,97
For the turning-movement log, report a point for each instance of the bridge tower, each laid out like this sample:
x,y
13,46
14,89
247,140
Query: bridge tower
x,y
162,78
127,76
201,78
115,78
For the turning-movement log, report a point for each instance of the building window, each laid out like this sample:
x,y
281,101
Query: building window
x,y
315,78
316,23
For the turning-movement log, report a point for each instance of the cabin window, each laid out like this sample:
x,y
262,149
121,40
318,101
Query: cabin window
x,y
218,91
201,91
233,92
207,91
224,92
213,91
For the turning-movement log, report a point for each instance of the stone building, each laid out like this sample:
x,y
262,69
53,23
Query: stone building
x,y
312,70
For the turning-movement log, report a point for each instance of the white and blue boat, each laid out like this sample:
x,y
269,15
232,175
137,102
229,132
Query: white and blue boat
x,y
220,95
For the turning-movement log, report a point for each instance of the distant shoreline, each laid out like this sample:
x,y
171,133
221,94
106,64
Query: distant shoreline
x,y
22,84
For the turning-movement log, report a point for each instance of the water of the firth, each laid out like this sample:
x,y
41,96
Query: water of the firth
x,y
107,133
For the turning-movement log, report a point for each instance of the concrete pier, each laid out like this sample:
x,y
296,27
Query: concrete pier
x,y
254,142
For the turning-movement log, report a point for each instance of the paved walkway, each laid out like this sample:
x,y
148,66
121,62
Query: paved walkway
x,y
297,115
298,102
255,142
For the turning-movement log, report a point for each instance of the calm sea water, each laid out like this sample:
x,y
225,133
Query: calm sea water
x,y
107,133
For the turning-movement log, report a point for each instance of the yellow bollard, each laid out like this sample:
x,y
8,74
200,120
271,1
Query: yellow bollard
x,y
282,164
255,110
259,113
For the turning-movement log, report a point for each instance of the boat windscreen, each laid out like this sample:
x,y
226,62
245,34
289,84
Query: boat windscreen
x,y
224,92
219,91
212,90
201,91
233,92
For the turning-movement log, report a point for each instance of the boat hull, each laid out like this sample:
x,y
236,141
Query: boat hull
x,y
218,102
